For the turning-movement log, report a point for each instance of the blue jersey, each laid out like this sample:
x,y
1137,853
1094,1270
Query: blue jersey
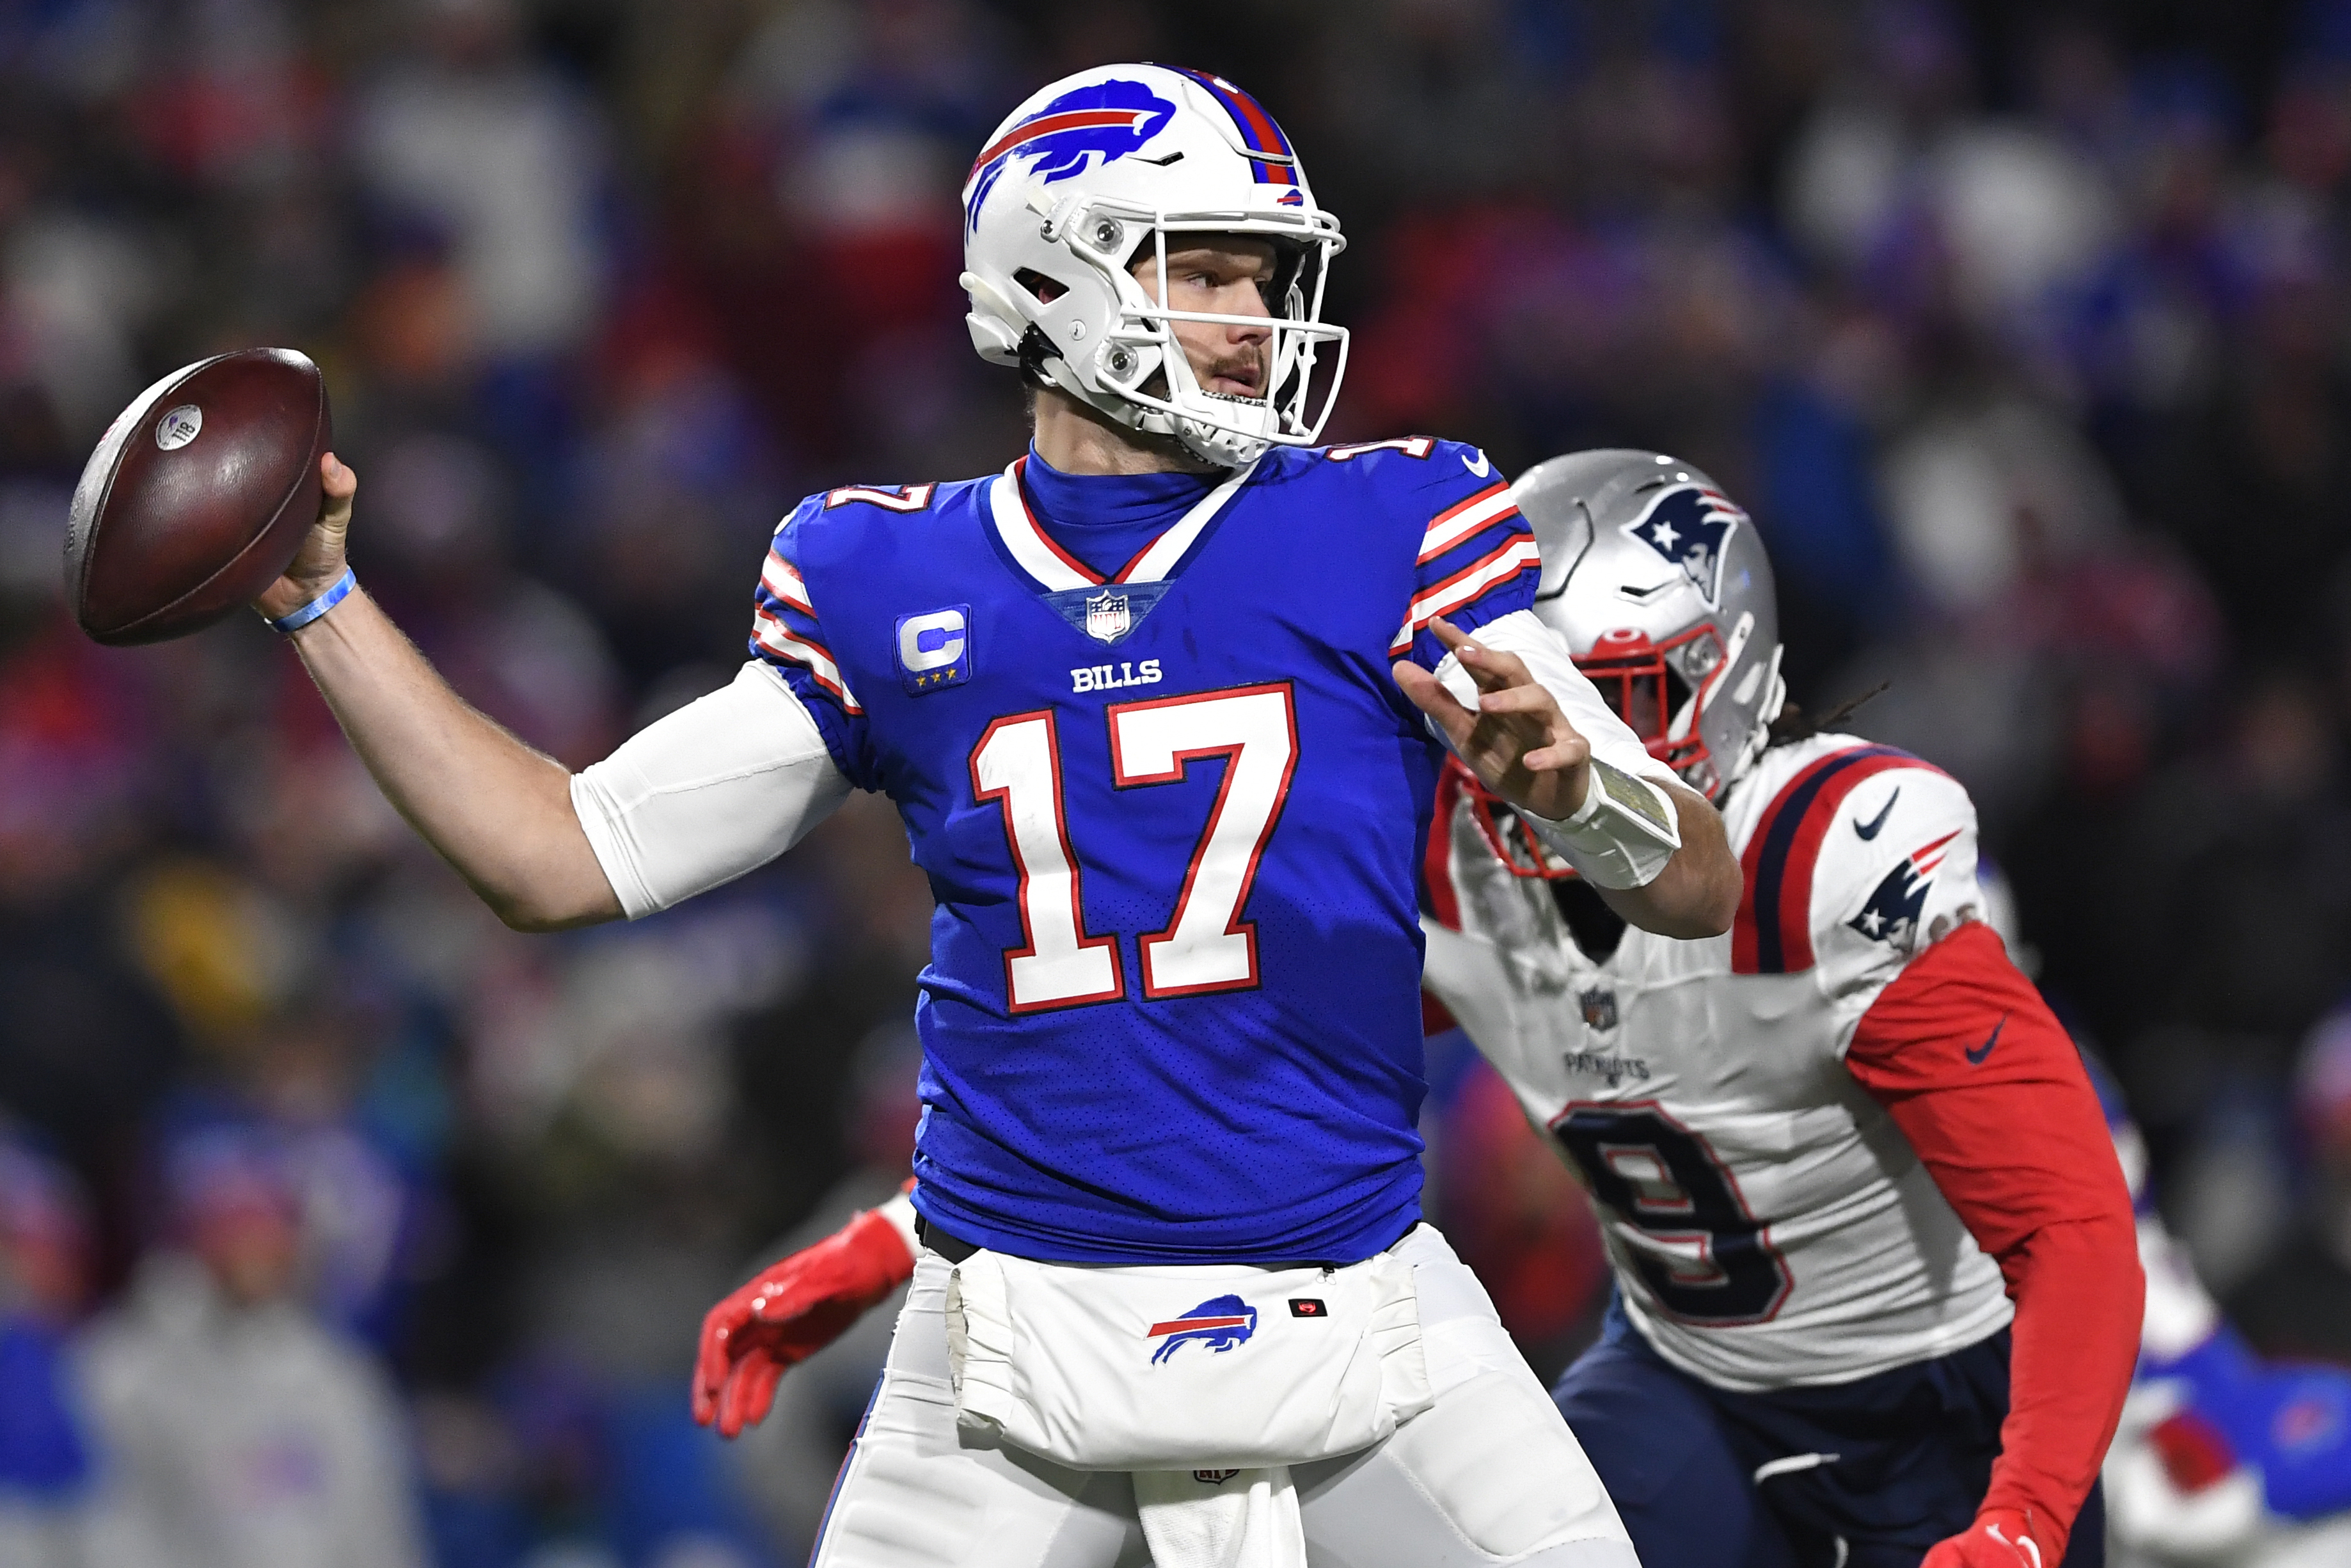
x,y
2289,1422
1169,799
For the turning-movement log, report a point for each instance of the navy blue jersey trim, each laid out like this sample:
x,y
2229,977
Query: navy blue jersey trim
x,y
1788,815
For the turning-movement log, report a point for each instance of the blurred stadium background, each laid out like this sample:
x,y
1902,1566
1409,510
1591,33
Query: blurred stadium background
x,y
2023,329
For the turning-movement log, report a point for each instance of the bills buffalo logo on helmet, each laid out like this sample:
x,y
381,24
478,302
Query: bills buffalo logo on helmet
x,y
1098,123
1892,913
1219,1322
1690,526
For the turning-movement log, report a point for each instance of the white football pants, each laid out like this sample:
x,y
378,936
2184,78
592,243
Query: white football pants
x,y
1489,1476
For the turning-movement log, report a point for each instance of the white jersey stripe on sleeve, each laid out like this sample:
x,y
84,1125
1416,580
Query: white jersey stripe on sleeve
x,y
779,578
778,639
1466,585
1456,523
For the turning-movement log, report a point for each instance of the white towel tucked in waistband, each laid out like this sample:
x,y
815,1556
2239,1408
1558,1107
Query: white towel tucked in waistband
x,y
1207,1383
1183,1368
1221,1518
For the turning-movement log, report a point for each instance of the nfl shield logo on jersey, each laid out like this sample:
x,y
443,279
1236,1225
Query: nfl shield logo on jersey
x,y
1106,617
1599,1006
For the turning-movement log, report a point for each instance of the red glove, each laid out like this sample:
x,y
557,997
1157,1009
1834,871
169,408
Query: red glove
x,y
2000,1538
788,1314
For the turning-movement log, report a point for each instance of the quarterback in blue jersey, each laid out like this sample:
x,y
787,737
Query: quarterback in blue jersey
x,y
1162,706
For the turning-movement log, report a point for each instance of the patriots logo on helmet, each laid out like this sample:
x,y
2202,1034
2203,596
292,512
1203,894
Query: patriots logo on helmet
x,y
1219,1322
1690,526
1098,123
1893,910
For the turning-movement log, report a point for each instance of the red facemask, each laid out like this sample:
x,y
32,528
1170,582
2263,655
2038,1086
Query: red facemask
x,y
1649,686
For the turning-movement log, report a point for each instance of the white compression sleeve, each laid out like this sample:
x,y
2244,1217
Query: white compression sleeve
x,y
698,797
1626,829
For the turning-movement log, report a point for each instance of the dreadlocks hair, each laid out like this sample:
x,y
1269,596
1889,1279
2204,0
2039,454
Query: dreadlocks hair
x,y
1794,724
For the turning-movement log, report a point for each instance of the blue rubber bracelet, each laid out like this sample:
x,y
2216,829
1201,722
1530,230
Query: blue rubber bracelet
x,y
318,606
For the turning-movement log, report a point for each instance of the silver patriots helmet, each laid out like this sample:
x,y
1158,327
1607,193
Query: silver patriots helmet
x,y
1660,584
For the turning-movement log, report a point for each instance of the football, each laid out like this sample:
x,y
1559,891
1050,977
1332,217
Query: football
x,y
198,495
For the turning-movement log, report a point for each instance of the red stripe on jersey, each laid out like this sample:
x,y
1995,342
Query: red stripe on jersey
x,y
776,636
1773,933
780,578
1127,571
1021,493
1464,520
1471,583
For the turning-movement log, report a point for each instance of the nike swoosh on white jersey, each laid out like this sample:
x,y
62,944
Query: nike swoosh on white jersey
x,y
1480,468
1869,829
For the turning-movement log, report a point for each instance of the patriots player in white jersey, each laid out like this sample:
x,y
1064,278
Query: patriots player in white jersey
x,y
1878,1294
1877,1291
1163,707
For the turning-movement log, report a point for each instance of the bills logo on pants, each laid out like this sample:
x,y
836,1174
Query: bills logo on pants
x,y
1220,1323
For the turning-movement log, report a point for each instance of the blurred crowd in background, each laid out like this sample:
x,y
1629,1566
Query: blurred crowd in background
x,y
340,1225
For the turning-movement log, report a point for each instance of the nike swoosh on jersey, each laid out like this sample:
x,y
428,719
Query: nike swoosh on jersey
x,y
1480,468
1975,1054
1877,821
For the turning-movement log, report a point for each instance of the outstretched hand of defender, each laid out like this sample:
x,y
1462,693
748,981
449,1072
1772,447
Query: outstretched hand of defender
x,y
1516,740
787,1313
2000,1538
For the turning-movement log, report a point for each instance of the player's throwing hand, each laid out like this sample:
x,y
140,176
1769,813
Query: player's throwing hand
x,y
319,561
1517,741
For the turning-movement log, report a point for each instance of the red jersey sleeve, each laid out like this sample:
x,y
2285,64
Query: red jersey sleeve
x,y
1981,1077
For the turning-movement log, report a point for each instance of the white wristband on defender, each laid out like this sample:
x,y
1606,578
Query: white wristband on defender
x,y
1623,834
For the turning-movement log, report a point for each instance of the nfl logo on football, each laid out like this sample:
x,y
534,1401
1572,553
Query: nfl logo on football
x,y
1106,617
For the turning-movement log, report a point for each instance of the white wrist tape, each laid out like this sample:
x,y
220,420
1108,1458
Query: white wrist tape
x,y
1627,830
1623,834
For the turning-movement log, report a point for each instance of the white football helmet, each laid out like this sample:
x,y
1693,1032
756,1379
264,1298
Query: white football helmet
x,y
1068,195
